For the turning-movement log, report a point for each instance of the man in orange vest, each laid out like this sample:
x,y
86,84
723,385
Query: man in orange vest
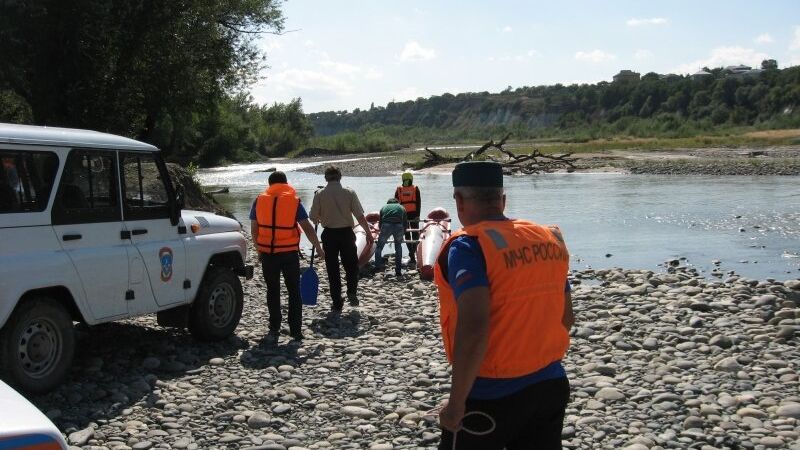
x,y
275,221
505,313
408,196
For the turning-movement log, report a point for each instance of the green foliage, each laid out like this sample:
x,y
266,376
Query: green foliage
x,y
155,70
672,106
14,109
192,169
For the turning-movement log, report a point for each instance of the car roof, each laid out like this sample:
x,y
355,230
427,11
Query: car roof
x,y
68,137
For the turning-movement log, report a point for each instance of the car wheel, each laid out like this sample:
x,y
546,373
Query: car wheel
x,y
218,306
37,345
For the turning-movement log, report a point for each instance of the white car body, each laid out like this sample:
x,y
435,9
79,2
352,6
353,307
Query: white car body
x,y
22,426
116,248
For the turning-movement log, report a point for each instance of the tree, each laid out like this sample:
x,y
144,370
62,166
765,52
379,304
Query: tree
x,y
129,66
769,64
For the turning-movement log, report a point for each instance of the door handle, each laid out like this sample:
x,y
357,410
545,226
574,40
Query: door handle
x,y
71,237
139,231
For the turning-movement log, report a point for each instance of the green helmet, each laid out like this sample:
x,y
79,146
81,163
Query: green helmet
x,y
407,176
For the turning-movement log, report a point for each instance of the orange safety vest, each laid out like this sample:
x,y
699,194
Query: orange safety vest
x,y
276,215
407,195
527,266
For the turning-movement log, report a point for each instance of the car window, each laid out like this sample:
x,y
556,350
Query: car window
x,y
146,195
26,179
88,190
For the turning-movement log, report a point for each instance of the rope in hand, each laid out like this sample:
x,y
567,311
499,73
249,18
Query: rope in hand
x,y
435,413
473,432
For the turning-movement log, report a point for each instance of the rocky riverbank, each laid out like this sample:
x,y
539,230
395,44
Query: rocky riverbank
x,y
371,166
707,161
704,166
658,360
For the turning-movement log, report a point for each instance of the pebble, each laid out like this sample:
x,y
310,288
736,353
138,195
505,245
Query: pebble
x,y
357,411
789,410
729,364
81,437
658,360
258,420
608,393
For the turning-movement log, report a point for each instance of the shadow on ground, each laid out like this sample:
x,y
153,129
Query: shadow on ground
x,y
117,365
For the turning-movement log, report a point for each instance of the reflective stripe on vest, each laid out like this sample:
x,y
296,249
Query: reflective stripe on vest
x,y
407,195
276,215
527,266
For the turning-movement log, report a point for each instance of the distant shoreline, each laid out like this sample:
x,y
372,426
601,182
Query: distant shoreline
x,y
781,161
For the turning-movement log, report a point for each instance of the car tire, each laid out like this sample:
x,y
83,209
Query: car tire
x,y
37,345
217,308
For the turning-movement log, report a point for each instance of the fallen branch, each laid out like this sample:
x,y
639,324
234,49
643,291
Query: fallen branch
x,y
531,163
534,162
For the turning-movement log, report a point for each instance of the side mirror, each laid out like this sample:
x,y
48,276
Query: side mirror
x,y
180,198
176,206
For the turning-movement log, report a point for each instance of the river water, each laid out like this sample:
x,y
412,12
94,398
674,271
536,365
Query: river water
x,y
750,224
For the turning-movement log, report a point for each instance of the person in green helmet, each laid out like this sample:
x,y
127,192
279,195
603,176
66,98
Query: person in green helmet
x,y
408,195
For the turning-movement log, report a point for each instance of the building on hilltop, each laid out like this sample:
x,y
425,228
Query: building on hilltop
x,y
747,73
737,69
626,76
701,74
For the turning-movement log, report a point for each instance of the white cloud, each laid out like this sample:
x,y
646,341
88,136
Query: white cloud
x,y
352,71
507,29
520,58
647,22
764,38
413,51
796,42
340,67
309,43
643,54
271,45
595,56
409,93
309,80
724,56
373,74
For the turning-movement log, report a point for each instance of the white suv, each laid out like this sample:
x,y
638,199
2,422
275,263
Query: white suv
x,y
91,230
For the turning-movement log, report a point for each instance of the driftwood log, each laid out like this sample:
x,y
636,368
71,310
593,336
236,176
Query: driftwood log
x,y
533,162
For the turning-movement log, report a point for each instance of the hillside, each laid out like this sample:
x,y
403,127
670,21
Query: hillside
x,y
655,105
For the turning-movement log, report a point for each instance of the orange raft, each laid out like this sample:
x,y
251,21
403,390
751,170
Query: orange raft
x,y
431,238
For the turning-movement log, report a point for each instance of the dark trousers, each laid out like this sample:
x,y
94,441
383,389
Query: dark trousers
x,y
413,223
336,242
530,419
288,264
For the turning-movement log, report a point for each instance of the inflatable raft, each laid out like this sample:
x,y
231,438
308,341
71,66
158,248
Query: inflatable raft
x,y
366,252
432,235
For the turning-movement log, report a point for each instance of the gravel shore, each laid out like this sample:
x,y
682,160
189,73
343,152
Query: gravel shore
x,y
372,166
658,360
707,161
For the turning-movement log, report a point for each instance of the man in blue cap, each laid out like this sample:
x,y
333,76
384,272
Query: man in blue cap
x,y
505,312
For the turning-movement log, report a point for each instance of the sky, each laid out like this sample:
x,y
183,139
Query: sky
x,y
344,54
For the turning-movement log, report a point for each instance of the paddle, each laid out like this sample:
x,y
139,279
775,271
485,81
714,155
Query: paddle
x,y
309,281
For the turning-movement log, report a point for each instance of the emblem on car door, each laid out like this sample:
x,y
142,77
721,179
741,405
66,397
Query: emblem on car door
x,y
165,256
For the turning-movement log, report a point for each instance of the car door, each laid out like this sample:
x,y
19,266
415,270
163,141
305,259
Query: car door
x,y
147,195
87,219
